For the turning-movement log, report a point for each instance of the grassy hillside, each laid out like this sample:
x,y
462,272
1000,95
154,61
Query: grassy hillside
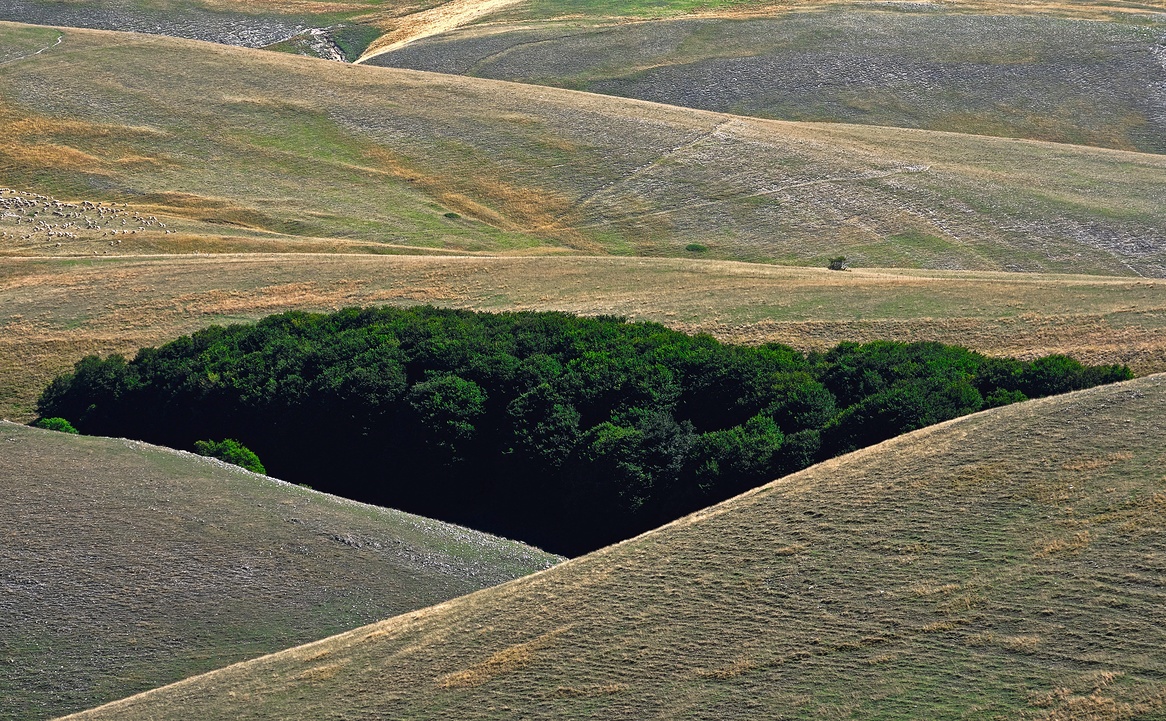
x,y
126,566
189,133
542,10
21,41
57,310
1005,565
1056,72
346,30
335,29
1040,77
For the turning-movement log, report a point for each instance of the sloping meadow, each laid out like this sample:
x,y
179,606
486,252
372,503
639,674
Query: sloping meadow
x,y
1040,77
261,147
125,566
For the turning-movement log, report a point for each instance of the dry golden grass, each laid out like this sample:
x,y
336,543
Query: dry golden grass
x,y
916,594
375,158
632,10
54,311
37,140
432,21
508,660
1080,9
127,566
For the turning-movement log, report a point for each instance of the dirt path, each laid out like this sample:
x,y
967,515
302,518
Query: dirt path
x,y
861,177
434,21
60,38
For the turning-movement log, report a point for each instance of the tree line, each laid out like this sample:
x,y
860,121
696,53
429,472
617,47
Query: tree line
x,y
563,431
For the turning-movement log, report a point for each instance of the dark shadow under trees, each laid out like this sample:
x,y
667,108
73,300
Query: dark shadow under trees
x,y
569,433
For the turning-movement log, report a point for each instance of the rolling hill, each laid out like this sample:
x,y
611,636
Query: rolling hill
x,y
1041,77
1070,72
359,30
126,566
1004,565
195,135
1009,564
54,311
336,30
631,10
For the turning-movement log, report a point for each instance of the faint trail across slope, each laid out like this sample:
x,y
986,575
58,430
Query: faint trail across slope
x,y
60,39
871,175
646,167
434,21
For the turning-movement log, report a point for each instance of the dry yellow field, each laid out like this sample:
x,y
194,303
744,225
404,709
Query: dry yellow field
x,y
1009,564
204,139
127,566
54,311
637,9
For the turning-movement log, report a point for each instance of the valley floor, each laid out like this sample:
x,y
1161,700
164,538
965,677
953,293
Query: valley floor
x,y
55,310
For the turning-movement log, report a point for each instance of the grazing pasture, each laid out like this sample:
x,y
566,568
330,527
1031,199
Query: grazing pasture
x,y
126,566
624,10
1009,564
233,148
57,310
332,29
1040,77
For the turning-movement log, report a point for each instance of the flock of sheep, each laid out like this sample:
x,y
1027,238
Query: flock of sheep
x,y
36,219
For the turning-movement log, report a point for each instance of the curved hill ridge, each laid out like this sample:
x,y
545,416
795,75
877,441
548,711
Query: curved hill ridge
x,y
261,23
126,566
378,159
334,29
1006,564
544,10
1039,77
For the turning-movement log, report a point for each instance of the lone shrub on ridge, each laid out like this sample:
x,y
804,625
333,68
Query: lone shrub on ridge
x,y
231,451
55,424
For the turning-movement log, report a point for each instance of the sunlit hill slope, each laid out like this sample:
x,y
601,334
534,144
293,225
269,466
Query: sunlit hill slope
x,y
124,566
245,149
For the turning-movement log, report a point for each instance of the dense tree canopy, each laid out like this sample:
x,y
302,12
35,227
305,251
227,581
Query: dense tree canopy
x,y
562,431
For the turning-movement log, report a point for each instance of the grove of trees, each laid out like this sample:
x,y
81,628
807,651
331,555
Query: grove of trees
x,y
566,432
